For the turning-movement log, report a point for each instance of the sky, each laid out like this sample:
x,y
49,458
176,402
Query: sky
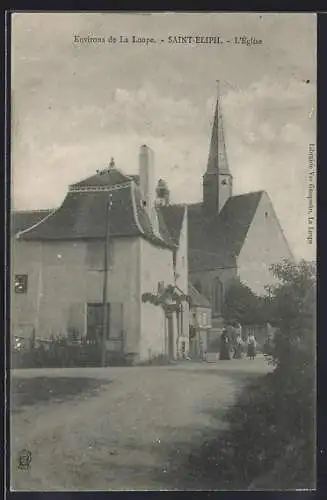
x,y
75,105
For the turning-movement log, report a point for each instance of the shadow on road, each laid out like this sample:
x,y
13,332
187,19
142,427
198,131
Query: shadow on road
x,y
31,391
187,463
237,374
200,457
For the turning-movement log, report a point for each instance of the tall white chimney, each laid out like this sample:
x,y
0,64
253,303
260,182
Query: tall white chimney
x,y
148,183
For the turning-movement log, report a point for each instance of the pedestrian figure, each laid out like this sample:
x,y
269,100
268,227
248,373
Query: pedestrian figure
x,y
238,349
251,346
238,329
201,346
224,346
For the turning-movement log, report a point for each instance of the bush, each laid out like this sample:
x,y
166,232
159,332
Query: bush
x,y
58,352
66,351
242,305
270,422
293,312
270,442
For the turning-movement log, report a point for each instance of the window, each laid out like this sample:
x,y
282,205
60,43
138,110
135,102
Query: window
x,y
21,283
203,319
198,286
217,295
208,318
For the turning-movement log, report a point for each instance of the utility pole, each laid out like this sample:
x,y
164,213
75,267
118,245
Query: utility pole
x,y
105,284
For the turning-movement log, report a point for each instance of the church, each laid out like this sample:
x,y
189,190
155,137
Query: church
x,y
230,236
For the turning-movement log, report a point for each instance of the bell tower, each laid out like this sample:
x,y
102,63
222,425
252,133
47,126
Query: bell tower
x,y
217,180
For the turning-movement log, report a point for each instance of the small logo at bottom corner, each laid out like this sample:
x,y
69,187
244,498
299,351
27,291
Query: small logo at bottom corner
x,y
24,460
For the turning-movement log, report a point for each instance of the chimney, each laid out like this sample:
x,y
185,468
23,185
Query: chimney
x,y
147,183
147,176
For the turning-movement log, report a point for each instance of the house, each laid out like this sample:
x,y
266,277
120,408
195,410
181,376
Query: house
x,y
230,236
108,242
200,323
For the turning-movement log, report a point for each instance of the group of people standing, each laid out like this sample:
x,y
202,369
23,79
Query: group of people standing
x,y
233,345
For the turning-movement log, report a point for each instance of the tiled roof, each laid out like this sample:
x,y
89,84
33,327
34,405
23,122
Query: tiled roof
x,y
110,177
165,229
173,216
82,213
145,221
21,220
136,178
217,241
196,298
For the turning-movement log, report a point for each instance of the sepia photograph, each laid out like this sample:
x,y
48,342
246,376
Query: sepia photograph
x,y
163,251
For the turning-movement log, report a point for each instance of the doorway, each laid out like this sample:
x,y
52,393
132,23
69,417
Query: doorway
x,y
95,322
170,335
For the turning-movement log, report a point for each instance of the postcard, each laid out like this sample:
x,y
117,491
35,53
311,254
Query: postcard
x,y
163,249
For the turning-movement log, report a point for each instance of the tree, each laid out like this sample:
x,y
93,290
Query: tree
x,y
293,311
242,305
169,299
168,296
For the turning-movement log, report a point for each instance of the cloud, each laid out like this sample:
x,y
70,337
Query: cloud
x,y
75,107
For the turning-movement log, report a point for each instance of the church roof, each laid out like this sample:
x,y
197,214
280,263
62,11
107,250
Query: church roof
x,y
216,241
22,219
82,213
217,159
196,298
173,216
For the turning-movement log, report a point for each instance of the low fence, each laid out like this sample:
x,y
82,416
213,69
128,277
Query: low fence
x,y
61,352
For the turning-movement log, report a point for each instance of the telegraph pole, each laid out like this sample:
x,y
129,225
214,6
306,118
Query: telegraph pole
x,y
105,284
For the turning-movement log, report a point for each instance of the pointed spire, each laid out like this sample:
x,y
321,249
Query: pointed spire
x,y
217,160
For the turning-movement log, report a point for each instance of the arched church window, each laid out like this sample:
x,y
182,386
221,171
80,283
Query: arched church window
x,y
217,295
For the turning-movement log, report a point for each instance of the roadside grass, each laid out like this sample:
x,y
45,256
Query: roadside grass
x,y
267,443
32,391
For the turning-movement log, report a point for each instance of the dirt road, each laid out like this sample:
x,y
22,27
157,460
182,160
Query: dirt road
x,y
123,436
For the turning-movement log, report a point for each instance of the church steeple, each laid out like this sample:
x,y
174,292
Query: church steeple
x,y
217,180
